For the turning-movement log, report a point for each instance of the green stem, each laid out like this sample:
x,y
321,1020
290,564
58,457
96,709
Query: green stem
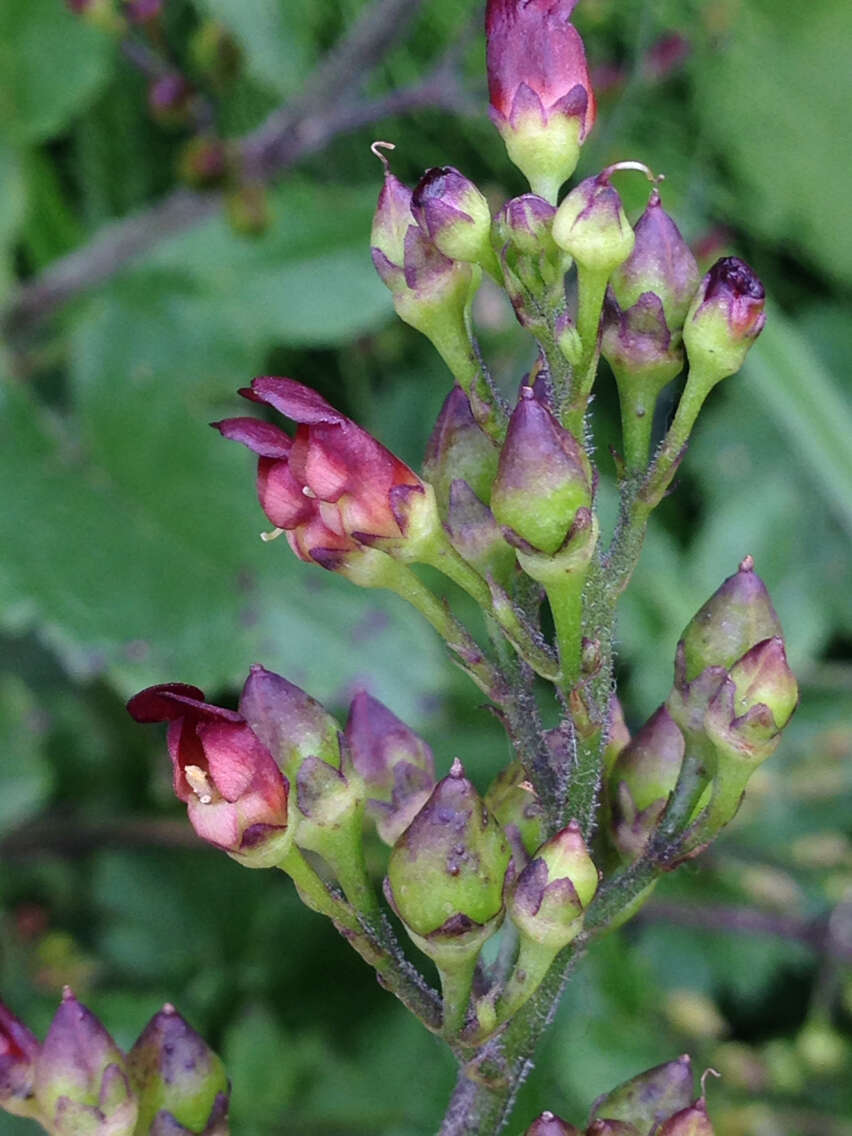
x,y
456,984
445,558
637,423
458,349
343,851
565,597
374,944
532,964
591,288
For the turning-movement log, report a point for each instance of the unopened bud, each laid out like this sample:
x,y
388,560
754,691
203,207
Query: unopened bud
x,y
445,873
643,776
649,1098
606,1126
548,1124
395,764
170,99
247,209
476,536
81,1079
543,477
290,723
617,737
547,902
203,161
539,87
661,263
592,226
513,801
175,1072
459,448
453,213
639,346
735,618
19,1050
691,1121
726,316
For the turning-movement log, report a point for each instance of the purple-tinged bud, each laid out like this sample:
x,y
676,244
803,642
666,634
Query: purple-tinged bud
x,y
445,873
247,209
736,617
142,11
639,346
649,1098
753,704
391,222
543,478
216,54
605,1126
726,316
513,801
203,161
81,1081
525,223
548,899
661,263
175,1072
459,448
217,1123
592,226
396,766
476,536
170,99
691,1121
548,1124
453,213
291,724
644,774
19,1049
618,736
538,82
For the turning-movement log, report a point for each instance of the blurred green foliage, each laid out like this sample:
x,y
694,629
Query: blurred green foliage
x,y
130,554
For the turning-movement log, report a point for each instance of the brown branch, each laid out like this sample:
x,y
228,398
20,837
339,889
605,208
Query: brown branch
x,y
69,836
288,136
816,934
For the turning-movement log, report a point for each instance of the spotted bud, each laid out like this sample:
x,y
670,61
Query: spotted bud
x,y
643,776
649,1098
547,901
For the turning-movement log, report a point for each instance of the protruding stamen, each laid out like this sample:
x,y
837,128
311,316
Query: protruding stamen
x,y
632,165
266,537
199,782
308,492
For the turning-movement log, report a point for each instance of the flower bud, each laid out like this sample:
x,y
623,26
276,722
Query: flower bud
x,y
726,316
396,765
459,448
476,536
247,209
592,226
736,617
548,899
217,1123
175,1073
81,1081
548,1124
540,92
618,735
236,796
661,263
607,1127
19,1050
453,213
533,267
649,1098
216,54
525,223
543,478
691,1121
513,801
639,346
170,98
292,725
445,873
754,703
203,161
643,776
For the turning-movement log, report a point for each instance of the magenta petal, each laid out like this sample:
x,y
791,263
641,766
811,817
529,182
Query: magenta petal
x,y
526,102
295,400
262,437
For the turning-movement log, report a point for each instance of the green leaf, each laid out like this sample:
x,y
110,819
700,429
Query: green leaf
x,y
24,770
52,64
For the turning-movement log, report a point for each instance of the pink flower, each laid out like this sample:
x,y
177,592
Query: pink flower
x,y
332,487
537,62
235,794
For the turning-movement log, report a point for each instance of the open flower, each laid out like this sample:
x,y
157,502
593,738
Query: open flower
x,y
235,794
332,487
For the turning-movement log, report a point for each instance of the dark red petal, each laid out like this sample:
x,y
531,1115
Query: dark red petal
x,y
262,437
157,703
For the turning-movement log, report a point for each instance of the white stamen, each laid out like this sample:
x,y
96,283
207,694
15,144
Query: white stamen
x,y
199,782
266,537
307,491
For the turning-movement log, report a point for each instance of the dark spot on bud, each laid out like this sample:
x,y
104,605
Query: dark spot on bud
x,y
732,275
